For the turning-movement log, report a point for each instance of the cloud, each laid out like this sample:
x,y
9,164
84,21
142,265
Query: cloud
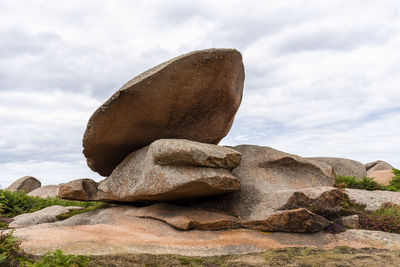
x,y
322,77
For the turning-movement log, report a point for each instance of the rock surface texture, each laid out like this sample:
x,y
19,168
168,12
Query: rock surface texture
x,y
80,189
115,230
378,165
343,166
45,215
382,176
26,183
277,191
194,96
168,169
45,191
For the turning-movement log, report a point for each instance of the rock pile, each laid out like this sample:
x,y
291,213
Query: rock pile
x,y
156,141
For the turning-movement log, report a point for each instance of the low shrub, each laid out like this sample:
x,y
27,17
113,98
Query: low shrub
x,y
10,251
59,259
15,203
368,183
394,184
386,218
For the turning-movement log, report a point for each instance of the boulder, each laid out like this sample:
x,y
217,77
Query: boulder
x,y
343,166
373,199
45,215
268,178
378,165
80,189
382,176
150,174
194,96
45,191
26,183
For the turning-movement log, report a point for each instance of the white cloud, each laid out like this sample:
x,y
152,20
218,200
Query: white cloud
x,y
322,77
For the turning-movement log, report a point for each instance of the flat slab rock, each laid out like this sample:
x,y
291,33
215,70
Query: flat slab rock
x,y
194,96
45,215
45,191
116,230
168,169
373,199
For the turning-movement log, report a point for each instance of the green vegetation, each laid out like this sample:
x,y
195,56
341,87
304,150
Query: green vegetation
x,y
12,255
15,203
367,183
67,215
386,218
57,258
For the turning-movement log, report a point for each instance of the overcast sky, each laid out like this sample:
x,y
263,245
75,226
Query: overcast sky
x,y
322,77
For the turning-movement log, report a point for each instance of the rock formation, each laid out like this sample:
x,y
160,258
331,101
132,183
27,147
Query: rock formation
x,y
343,166
26,184
168,169
194,96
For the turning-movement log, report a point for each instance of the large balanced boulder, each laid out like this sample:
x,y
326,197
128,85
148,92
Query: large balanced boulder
x,y
342,166
26,184
378,165
168,169
194,96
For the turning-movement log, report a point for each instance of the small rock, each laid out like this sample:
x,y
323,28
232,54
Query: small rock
x,y
351,221
80,189
378,165
45,191
26,183
343,166
45,215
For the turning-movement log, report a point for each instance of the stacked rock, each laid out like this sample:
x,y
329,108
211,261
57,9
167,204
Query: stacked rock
x,y
156,140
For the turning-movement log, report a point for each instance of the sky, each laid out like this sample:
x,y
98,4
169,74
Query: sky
x,y
322,77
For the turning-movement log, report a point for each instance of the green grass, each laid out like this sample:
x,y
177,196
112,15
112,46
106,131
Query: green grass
x,y
15,203
67,215
367,183
12,255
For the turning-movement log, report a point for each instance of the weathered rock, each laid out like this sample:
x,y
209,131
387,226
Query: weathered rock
x,y
297,221
378,165
186,218
140,179
80,189
373,199
45,215
194,96
383,176
26,183
45,191
268,179
181,152
343,166
351,221
115,230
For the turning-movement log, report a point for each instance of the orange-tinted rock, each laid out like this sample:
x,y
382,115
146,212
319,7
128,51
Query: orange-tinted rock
x,y
383,176
80,189
194,96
